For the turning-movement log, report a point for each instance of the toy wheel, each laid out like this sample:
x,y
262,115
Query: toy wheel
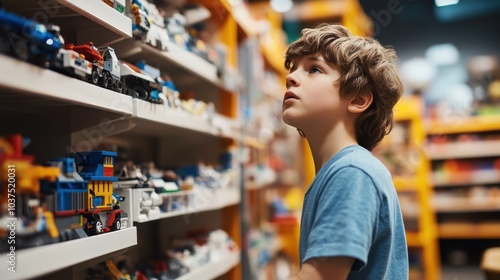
x,y
142,94
106,81
117,225
99,227
94,77
132,93
118,86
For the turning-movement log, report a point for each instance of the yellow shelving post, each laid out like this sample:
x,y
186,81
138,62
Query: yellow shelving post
x,y
403,152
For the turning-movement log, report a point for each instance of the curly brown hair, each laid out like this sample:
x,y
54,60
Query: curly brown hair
x,y
365,65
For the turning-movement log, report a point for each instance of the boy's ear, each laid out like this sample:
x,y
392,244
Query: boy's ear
x,y
360,102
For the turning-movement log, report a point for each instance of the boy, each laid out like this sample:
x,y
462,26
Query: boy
x,y
341,91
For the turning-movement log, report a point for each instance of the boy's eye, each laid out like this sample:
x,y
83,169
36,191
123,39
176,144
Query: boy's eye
x,y
314,70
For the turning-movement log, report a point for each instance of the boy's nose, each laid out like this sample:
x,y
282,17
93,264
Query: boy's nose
x,y
291,80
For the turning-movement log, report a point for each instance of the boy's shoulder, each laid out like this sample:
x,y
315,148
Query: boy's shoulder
x,y
357,157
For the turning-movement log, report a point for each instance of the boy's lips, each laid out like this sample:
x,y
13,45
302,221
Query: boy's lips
x,y
289,95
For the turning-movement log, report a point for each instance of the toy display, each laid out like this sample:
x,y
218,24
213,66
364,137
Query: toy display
x,y
46,204
87,193
23,215
39,44
79,195
196,249
151,192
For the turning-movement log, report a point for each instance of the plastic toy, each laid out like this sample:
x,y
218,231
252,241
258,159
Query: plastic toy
x,y
88,193
69,62
140,22
98,170
27,39
130,176
105,65
157,96
21,209
176,27
148,25
118,5
139,85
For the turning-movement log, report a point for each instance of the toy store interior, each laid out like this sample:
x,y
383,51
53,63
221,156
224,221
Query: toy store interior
x,y
125,156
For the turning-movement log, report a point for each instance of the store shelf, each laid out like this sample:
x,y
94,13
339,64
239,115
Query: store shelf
x,y
476,149
246,23
185,68
193,201
90,20
465,205
470,230
463,125
214,268
147,112
207,200
155,120
46,259
101,13
236,10
33,92
38,86
471,178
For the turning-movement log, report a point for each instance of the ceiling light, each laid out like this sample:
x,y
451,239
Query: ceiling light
x,y
443,54
417,73
281,6
442,3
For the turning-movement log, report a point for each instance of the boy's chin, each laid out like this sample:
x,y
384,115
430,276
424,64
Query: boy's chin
x,y
290,119
287,120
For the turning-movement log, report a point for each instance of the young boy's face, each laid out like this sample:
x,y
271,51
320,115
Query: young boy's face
x,y
312,96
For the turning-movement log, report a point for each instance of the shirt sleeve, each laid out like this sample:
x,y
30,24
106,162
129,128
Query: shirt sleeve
x,y
345,220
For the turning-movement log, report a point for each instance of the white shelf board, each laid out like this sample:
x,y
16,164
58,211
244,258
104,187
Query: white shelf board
x,y
42,260
152,116
80,21
43,83
487,148
101,13
465,205
207,201
472,178
214,268
183,66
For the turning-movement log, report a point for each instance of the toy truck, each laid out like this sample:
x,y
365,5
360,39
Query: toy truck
x,y
87,193
140,85
68,62
27,39
105,65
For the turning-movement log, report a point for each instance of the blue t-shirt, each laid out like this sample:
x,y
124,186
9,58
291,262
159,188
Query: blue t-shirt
x,y
351,209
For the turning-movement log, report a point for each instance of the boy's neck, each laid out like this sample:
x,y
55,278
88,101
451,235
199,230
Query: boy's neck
x,y
324,147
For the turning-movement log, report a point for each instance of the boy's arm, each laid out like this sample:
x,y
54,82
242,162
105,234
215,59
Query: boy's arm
x,y
332,268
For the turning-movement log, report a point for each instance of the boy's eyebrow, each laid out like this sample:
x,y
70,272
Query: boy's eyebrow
x,y
315,58
312,57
